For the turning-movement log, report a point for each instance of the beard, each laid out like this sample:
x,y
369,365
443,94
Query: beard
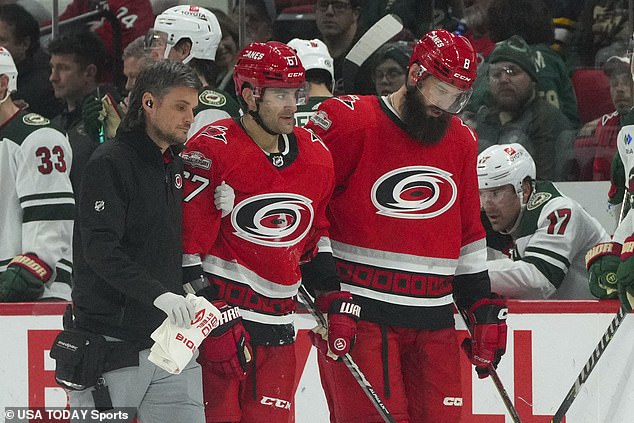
x,y
418,124
512,104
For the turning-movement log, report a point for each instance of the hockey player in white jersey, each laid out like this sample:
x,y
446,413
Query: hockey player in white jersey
x,y
611,264
551,233
37,207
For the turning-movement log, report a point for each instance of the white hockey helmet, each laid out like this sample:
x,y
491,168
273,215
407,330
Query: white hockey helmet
x,y
7,67
505,164
314,55
193,22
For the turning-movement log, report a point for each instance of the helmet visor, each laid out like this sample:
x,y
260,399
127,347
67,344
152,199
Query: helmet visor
x,y
442,95
284,95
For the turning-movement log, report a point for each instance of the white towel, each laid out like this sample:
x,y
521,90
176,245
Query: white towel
x,y
173,346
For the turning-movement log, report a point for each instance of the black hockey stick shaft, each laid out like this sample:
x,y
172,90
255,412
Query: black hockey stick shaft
x,y
349,362
493,374
590,365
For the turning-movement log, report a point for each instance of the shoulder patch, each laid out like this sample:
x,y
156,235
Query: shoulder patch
x,y
212,98
196,159
348,100
320,118
35,119
537,199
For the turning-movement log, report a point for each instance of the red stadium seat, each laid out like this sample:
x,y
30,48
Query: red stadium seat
x,y
592,89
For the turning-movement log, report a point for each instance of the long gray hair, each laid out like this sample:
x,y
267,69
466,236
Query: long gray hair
x,y
157,79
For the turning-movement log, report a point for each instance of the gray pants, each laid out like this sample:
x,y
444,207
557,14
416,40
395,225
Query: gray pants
x,y
156,395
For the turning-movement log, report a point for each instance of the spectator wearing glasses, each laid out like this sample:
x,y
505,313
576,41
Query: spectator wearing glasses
x,y
338,25
389,67
518,115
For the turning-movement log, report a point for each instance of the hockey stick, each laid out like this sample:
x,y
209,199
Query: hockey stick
x,y
589,366
496,381
378,34
350,364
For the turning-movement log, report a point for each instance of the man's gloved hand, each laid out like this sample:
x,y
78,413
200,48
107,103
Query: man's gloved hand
x,y
226,351
24,279
625,274
602,261
343,315
91,115
224,198
180,311
486,319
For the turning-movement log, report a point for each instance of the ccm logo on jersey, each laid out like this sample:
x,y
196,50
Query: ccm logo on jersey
x,y
455,401
274,220
276,402
414,192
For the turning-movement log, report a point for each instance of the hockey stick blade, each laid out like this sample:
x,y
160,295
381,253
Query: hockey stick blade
x,y
493,374
589,366
349,362
378,34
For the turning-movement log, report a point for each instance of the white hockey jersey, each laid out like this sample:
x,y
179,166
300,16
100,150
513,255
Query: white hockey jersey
x,y
38,206
554,235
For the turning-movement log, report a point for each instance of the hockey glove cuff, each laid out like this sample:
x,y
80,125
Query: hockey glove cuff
x,y
24,278
226,351
343,314
625,274
486,319
602,261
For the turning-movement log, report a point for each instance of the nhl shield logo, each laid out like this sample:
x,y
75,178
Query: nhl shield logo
x,y
278,161
100,205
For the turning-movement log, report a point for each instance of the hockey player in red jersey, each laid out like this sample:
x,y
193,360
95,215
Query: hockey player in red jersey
x,y
407,239
256,191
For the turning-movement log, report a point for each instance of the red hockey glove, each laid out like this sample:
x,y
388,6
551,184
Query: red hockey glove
x,y
343,314
226,351
602,260
24,278
487,322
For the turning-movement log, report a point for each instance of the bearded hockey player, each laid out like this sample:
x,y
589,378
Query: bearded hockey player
x,y
407,239
256,191
551,233
37,207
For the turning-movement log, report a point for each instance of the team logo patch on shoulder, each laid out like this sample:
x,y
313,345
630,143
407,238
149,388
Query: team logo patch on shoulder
x,y
196,159
35,119
348,100
414,192
320,118
537,199
215,132
212,98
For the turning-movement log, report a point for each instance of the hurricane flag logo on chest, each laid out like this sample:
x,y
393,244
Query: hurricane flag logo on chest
x,y
414,192
274,220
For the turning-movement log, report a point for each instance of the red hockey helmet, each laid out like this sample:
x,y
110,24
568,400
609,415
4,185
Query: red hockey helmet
x,y
451,60
446,56
267,65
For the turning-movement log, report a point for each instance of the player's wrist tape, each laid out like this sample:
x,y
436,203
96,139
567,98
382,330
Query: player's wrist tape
x,y
34,265
600,250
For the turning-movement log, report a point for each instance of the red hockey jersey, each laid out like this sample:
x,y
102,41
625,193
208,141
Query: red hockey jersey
x,y
279,215
405,216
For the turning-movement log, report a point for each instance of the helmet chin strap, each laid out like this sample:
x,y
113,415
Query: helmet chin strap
x,y
520,195
255,114
5,97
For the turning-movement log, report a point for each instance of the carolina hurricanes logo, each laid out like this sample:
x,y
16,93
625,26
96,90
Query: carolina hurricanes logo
x,y
274,220
348,100
215,132
414,192
178,181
